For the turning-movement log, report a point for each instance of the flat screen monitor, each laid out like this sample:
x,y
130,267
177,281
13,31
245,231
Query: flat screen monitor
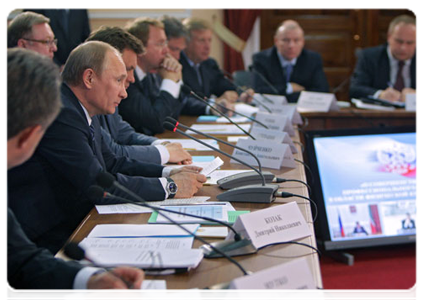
x,y
364,184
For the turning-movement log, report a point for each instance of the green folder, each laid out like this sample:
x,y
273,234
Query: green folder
x,y
232,216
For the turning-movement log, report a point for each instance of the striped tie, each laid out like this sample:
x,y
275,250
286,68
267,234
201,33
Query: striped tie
x,y
92,137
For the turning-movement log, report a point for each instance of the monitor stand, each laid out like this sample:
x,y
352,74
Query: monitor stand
x,y
341,256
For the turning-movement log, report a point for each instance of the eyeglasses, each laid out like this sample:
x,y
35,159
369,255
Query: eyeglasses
x,y
47,42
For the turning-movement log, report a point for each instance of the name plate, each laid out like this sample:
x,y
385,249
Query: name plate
x,y
285,109
276,122
280,223
271,155
410,102
318,102
295,274
279,137
267,98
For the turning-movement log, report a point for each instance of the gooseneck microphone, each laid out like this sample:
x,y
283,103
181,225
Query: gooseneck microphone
x,y
252,69
258,193
234,248
188,90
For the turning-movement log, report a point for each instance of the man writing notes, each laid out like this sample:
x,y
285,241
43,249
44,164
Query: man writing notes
x,y
287,66
72,153
33,101
118,134
388,71
202,73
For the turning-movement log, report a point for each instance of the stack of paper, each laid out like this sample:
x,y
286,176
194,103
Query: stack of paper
x,y
219,129
191,145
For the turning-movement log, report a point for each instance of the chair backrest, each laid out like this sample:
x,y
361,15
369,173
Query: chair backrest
x,y
243,78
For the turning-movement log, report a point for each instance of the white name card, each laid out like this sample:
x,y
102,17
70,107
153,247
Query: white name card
x,y
318,102
295,274
275,122
276,99
280,137
410,102
271,155
280,223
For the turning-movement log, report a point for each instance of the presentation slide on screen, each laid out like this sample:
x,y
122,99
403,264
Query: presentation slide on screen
x,y
368,184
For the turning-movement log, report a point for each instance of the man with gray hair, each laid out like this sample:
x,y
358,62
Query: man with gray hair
x,y
72,154
32,31
33,101
289,67
388,71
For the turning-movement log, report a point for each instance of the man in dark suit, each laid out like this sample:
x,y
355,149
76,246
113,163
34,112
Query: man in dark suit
x,y
287,66
71,27
408,222
33,103
388,71
32,31
202,73
155,93
72,154
118,134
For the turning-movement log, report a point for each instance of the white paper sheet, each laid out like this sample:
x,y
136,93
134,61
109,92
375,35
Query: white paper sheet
x,y
219,129
145,230
191,145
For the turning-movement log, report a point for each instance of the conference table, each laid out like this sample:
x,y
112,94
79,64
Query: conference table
x,y
216,272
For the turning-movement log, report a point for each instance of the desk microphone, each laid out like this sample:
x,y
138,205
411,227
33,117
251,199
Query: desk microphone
x,y
188,90
250,193
228,76
252,69
223,249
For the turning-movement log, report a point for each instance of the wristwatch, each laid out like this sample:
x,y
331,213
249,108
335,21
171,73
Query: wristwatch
x,y
171,188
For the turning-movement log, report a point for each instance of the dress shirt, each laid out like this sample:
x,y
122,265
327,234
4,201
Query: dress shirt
x,y
166,170
393,64
284,63
168,85
82,277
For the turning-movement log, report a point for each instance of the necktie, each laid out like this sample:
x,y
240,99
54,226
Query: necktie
x,y
288,71
197,69
92,137
399,83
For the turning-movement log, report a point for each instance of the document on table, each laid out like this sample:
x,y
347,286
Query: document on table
x,y
217,212
153,284
191,145
136,209
186,258
145,230
219,174
215,164
150,243
219,129
235,119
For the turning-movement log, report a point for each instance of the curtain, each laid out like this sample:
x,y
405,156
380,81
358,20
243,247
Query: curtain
x,y
240,22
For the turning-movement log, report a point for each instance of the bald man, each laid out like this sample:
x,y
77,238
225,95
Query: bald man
x,y
288,66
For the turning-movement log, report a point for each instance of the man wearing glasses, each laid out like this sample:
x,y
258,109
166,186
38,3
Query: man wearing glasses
x,y
32,31
155,93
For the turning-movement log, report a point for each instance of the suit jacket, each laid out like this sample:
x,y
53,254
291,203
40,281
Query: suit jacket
x,y
372,72
30,267
124,141
308,72
213,80
57,178
146,107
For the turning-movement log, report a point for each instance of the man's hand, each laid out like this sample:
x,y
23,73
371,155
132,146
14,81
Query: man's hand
x,y
390,94
189,169
178,155
405,92
170,69
247,96
118,278
296,87
229,96
114,294
188,183
222,108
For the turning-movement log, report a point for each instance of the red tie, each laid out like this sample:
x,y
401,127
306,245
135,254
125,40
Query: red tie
x,y
399,83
